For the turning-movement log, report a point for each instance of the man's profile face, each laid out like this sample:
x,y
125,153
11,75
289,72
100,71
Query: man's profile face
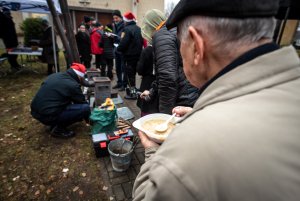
x,y
116,19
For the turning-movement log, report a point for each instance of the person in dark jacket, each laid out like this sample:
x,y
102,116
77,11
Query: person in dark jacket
x,y
171,85
118,28
84,46
107,43
145,69
131,47
9,36
47,44
60,102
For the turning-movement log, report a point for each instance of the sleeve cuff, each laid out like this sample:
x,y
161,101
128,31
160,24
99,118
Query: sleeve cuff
x,y
150,151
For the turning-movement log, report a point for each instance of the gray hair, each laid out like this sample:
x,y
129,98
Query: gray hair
x,y
226,34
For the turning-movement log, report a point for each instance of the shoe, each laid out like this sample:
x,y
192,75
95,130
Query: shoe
x,y
59,132
130,97
116,86
122,89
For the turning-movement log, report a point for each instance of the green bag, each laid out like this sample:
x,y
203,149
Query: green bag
x,y
103,120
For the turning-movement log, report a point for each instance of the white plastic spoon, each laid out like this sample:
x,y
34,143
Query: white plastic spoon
x,y
164,126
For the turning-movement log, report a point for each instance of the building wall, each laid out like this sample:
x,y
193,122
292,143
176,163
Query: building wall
x,y
139,9
146,5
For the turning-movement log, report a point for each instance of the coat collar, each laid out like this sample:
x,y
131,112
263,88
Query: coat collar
x,y
262,72
130,23
73,75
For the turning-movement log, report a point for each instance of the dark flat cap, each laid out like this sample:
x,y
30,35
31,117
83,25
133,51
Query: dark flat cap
x,y
222,8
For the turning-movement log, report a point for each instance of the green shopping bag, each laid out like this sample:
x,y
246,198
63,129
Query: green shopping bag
x,y
103,120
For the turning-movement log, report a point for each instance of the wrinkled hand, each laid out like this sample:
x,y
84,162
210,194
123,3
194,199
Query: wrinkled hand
x,y
145,94
181,110
146,142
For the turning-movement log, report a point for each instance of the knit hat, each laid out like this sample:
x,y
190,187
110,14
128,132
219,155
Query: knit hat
x,y
129,17
86,19
79,69
117,13
97,24
153,18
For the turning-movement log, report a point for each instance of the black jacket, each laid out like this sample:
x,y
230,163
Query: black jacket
x,y
84,45
145,68
118,30
132,42
173,87
107,43
8,31
57,92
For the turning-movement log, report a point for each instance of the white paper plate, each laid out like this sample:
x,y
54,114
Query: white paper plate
x,y
155,137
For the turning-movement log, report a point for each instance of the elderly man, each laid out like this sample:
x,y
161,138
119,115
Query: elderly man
x,y
60,102
241,140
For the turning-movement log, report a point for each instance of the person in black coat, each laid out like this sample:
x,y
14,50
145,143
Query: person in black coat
x,y
47,44
84,46
118,28
107,43
59,102
171,85
9,36
145,69
131,47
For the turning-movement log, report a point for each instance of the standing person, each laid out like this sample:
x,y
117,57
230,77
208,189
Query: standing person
x,y
241,140
145,68
171,85
118,28
88,24
131,47
9,36
96,37
59,102
84,46
47,44
107,43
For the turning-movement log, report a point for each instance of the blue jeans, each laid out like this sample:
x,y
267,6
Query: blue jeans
x,y
73,113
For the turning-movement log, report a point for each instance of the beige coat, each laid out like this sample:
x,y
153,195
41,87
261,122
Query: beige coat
x,y
241,142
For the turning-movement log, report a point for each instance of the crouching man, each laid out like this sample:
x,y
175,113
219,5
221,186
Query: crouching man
x,y
60,102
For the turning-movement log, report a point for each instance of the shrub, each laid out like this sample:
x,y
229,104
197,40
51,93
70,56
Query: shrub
x,y
32,28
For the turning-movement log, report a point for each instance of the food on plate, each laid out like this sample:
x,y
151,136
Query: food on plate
x,y
151,124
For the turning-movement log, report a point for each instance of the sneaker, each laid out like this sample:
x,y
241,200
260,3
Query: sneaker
x,y
59,132
130,97
116,86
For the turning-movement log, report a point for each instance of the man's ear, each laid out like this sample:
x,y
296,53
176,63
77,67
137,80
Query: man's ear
x,y
198,43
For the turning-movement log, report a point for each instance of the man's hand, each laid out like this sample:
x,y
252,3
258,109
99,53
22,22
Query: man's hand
x,y
181,110
144,94
146,142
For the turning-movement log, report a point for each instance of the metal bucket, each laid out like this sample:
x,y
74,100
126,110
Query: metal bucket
x,y
120,151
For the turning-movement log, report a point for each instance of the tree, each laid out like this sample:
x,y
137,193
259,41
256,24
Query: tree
x,y
32,28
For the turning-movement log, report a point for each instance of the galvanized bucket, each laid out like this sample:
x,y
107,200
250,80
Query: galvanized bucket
x,y
120,151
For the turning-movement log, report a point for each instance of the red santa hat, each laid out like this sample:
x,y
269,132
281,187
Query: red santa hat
x,y
129,17
79,69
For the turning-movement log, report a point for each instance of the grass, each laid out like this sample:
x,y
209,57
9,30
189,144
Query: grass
x,y
31,162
